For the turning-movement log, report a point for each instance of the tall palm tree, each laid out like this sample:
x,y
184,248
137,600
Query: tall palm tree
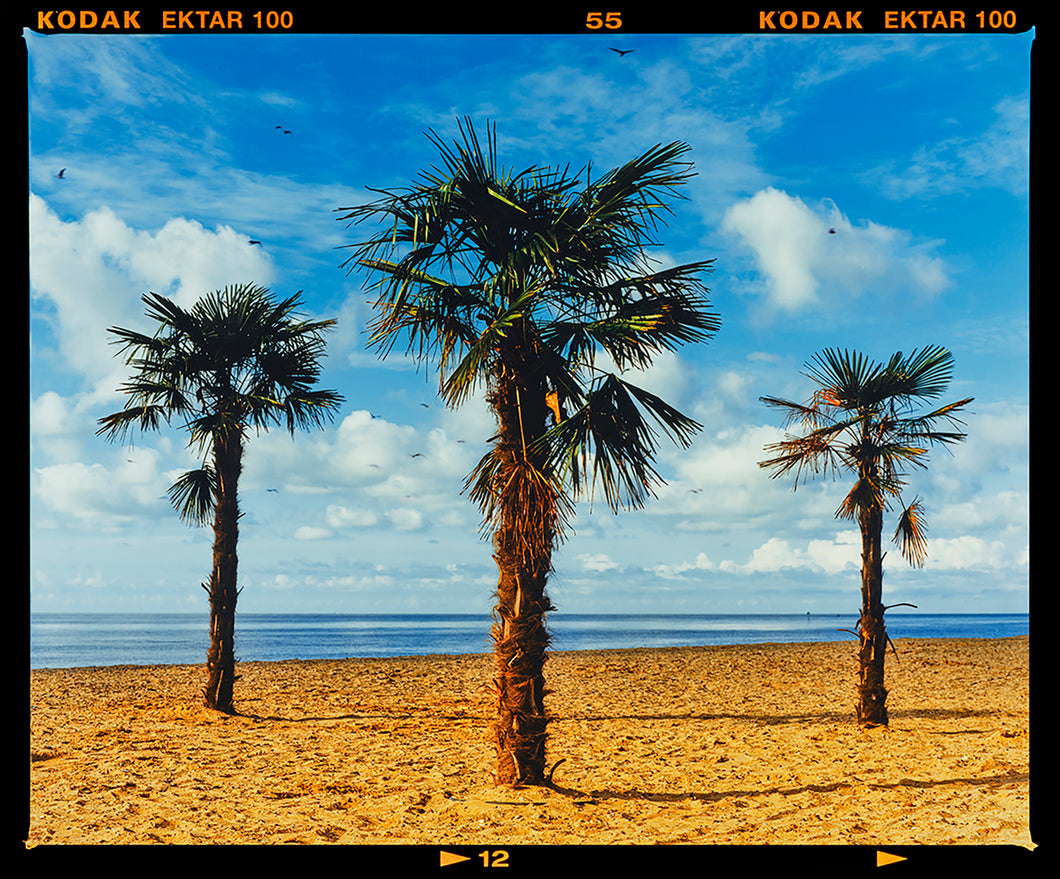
x,y
521,283
236,360
862,418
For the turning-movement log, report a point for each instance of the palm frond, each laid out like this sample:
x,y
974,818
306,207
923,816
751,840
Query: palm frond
x,y
631,197
846,376
867,493
431,313
192,495
518,493
634,330
808,456
810,415
117,424
890,455
911,534
924,373
608,442
922,426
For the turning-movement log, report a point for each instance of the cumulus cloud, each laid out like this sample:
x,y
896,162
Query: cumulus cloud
x,y
728,457
829,556
781,231
842,552
967,552
49,414
101,496
365,446
407,519
89,274
674,571
717,485
339,516
310,532
598,562
803,263
775,555
58,427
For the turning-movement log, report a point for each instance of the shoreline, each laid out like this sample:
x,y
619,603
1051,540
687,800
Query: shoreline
x,y
551,652
727,744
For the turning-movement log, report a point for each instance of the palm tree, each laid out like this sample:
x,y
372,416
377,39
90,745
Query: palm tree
x,y
236,360
528,286
862,418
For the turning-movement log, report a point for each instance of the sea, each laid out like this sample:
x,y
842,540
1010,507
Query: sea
x,y
78,640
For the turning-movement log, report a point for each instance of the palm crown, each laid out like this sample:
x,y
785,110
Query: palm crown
x,y
236,360
493,272
863,418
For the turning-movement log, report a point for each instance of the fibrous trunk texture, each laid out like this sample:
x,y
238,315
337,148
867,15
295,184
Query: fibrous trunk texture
x,y
872,694
221,659
522,544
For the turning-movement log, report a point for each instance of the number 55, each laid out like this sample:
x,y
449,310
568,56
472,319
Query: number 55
x,y
610,20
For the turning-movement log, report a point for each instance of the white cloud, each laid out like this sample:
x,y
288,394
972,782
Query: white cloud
x,y
842,552
999,156
100,496
673,572
830,556
111,74
57,428
967,553
339,516
728,458
49,414
366,446
783,233
597,562
407,519
309,532
775,555
803,263
93,271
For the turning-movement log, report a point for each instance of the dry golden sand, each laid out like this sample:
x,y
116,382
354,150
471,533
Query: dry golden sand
x,y
706,745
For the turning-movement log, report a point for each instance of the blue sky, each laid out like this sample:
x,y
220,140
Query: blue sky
x,y
913,148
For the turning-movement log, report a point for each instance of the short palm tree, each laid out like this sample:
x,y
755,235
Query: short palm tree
x,y
521,283
236,360
862,418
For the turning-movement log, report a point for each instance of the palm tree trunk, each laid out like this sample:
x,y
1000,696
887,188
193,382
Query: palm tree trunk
x,y
522,543
520,642
872,649
220,659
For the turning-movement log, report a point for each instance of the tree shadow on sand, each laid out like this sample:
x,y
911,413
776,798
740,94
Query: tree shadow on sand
x,y
998,779
775,719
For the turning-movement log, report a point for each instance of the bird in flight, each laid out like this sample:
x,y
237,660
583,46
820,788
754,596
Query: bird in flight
x,y
621,51
61,174
831,231
416,455
284,130
252,241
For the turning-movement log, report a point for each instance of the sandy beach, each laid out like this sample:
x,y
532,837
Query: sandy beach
x,y
694,746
